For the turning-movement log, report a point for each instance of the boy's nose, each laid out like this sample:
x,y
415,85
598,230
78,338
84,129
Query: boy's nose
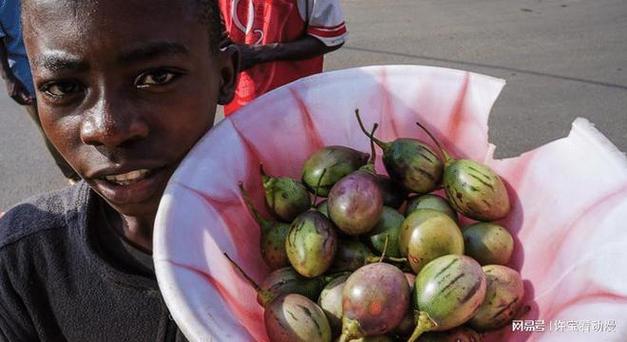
x,y
113,124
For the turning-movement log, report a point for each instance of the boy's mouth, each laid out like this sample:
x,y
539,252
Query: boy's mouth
x,y
129,177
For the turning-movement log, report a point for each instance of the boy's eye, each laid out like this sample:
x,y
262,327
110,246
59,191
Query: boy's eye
x,y
61,88
155,78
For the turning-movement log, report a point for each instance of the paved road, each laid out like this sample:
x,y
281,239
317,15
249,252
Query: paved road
x,y
561,58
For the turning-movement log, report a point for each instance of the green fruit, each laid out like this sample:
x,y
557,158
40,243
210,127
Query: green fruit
x,y
311,244
350,255
323,207
338,161
488,243
459,334
447,293
504,295
430,201
330,301
295,318
285,197
427,234
475,190
287,280
388,227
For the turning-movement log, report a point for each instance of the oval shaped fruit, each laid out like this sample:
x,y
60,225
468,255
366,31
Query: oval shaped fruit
x,y
488,243
504,295
295,318
330,301
350,255
431,201
338,161
311,243
410,162
374,301
427,234
287,280
475,190
388,226
285,197
447,293
355,203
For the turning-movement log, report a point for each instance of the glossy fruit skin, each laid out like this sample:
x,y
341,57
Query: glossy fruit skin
x,y
427,234
287,280
475,190
413,164
338,161
311,244
450,290
330,300
285,197
431,201
295,318
388,226
375,300
504,297
356,203
488,243
350,255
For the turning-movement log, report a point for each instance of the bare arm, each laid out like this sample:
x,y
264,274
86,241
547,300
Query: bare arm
x,y
304,48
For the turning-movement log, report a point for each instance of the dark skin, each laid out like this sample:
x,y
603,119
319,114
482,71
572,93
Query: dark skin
x,y
124,89
303,48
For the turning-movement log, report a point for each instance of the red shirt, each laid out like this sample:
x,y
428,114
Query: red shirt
x,y
261,22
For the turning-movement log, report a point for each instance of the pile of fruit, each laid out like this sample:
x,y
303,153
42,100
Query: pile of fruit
x,y
382,257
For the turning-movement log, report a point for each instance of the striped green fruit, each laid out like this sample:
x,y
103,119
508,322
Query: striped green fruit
x,y
287,280
338,161
475,190
447,293
311,243
488,243
503,298
431,201
285,197
295,318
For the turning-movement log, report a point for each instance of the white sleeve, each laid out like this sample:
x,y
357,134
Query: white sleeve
x,y
325,20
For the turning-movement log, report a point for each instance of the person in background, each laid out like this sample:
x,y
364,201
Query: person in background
x,y
15,71
280,41
124,89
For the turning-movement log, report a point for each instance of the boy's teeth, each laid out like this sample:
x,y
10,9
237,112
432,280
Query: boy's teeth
x,y
129,177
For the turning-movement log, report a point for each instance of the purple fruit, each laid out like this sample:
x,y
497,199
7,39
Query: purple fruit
x,y
503,298
350,255
488,243
356,203
285,197
338,161
295,318
311,243
375,300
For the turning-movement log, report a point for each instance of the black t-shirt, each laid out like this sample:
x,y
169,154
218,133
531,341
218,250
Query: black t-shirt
x,y
64,279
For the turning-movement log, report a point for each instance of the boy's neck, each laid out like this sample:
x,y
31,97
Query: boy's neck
x,y
137,231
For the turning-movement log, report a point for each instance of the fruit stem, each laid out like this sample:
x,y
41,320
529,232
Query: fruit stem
x,y
373,151
445,155
313,204
381,144
250,280
385,248
350,330
423,324
263,223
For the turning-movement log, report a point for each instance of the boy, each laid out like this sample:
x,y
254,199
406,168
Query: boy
x,y
280,41
124,89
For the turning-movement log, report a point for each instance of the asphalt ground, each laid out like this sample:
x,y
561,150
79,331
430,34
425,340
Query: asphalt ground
x,y
562,59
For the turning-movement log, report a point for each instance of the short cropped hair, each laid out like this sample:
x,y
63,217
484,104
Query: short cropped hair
x,y
209,15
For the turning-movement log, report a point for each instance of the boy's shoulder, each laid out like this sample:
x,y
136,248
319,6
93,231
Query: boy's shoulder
x,y
43,212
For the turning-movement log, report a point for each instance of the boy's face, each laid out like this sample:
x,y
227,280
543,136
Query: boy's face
x,y
124,89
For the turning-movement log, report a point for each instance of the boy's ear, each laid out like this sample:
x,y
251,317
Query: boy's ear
x,y
229,71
